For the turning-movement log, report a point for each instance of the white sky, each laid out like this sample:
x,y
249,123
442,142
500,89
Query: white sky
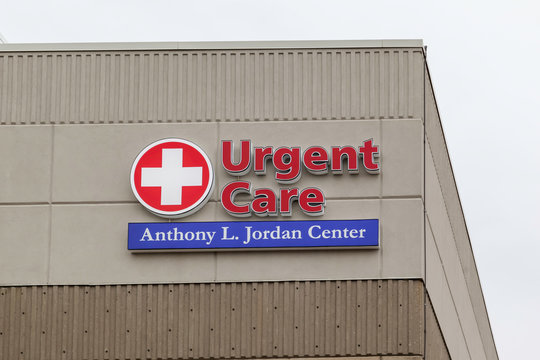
x,y
484,58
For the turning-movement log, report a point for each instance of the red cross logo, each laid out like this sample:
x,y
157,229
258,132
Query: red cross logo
x,y
172,178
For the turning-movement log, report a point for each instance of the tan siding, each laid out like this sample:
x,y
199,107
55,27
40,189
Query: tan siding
x,y
185,86
219,320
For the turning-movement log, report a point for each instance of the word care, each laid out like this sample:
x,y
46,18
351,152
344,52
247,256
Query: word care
x,y
253,235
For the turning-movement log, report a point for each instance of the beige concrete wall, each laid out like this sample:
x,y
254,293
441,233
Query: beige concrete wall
x,y
73,121
66,192
77,223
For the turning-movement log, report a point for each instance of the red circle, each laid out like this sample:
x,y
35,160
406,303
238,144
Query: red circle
x,y
192,196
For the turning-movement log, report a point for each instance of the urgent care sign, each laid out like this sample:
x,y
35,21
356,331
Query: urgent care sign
x,y
173,178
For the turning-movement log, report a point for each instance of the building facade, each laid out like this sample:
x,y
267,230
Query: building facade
x,y
74,119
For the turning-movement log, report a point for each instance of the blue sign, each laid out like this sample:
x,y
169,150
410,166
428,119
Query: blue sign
x,y
238,235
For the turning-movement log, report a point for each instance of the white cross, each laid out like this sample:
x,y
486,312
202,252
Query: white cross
x,y
171,176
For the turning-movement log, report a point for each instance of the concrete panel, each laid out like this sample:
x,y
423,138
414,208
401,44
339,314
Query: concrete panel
x,y
399,256
435,279
444,251
25,163
92,163
320,264
79,256
24,240
81,178
402,157
89,246
443,303
402,229
400,142
294,134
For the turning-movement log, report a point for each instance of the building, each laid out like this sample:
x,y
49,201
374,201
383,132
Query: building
x,y
74,119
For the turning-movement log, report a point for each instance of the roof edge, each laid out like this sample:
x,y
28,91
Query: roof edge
x,y
220,45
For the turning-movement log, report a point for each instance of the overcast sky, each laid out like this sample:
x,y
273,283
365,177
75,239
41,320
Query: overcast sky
x,y
484,58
